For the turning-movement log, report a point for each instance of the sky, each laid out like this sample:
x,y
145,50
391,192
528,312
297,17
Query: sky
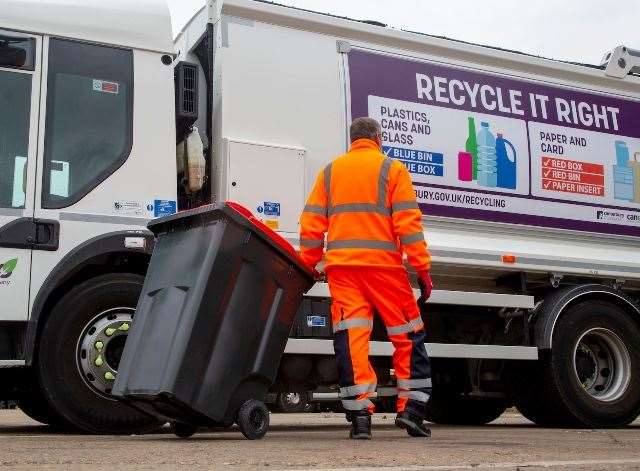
x,y
573,30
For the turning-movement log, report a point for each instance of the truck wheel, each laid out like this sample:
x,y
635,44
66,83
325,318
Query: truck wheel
x,y
459,410
293,403
591,376
80,348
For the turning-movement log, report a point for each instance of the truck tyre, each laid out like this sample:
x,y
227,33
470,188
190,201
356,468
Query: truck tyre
x,y
34,405
294,403
459,410
79,351
591,376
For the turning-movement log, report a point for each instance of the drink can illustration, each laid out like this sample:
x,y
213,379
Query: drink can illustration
x,y
465,166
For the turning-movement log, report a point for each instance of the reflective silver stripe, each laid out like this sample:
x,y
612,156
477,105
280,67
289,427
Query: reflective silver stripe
x,y
358,208
11,212
327,183
415,395
406,328
311,243
414,383
315,209
353,324
362,244
104,219
383,180
404,205
357,389
354,404
411,238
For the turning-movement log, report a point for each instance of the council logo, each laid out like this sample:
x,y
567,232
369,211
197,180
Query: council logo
x,y
6,269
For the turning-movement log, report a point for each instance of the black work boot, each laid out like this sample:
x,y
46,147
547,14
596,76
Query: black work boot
x,y
414,425
360,426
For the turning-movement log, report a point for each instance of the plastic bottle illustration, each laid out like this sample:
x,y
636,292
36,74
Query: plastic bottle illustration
x,y
487,164
623,184
472,147
507,164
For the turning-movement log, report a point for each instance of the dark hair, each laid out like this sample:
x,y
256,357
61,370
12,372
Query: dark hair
x,y
364,128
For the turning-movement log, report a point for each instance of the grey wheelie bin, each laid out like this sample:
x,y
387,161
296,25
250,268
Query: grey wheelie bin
x,y
212,322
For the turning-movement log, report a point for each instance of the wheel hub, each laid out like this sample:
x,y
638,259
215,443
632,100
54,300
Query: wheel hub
x,y
100,348
602,364
293,398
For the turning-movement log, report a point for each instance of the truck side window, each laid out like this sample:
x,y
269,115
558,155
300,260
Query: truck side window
x,y
15,104
89,120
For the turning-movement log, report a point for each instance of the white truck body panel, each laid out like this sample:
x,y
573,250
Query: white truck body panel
x,y
283,82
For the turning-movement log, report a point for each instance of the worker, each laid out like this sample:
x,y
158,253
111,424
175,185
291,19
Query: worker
x,y
365,204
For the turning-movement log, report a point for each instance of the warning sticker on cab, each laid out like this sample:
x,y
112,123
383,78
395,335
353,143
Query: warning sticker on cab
x,y
271,209
105,87
164,208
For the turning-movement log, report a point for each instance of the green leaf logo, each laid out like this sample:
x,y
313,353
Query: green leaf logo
x,y
6,269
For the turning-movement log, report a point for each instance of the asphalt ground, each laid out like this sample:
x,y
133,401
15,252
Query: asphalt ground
x,y
319,441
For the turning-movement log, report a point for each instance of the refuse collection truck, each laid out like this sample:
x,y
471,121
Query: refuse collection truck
x,y
527,171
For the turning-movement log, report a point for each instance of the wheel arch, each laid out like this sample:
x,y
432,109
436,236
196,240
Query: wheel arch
x,y
103,254
556,303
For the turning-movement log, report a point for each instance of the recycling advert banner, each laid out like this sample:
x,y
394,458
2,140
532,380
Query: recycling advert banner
x,y
486,147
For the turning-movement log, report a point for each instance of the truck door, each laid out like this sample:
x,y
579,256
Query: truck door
x,y
19,99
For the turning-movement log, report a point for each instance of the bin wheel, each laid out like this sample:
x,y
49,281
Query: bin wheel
x,y
253,419
183,430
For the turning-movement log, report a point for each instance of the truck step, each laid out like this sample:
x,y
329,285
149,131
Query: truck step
x,y
435,350
460,298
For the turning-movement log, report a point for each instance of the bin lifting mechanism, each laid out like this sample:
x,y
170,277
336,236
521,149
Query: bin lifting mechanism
x,y
621,62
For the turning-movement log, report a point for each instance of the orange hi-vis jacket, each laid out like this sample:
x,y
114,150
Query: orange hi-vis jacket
x,y
366,205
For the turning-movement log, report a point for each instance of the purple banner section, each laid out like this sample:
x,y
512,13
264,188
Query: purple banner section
x,y
448,87
412,80
527,220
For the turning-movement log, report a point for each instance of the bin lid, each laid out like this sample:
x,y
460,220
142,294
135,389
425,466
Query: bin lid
x,y
240,215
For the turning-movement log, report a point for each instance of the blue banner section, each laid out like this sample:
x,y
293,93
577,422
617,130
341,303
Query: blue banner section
x,y
424,169
412,155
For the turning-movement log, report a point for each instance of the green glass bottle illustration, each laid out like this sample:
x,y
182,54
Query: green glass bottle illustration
x,y
472,146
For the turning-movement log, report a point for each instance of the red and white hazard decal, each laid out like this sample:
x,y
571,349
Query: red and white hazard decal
x,y
105,86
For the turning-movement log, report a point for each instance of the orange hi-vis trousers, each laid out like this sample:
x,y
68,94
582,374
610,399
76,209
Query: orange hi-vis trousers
x,y
356,293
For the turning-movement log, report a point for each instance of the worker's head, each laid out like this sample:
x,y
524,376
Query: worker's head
x,y
366,128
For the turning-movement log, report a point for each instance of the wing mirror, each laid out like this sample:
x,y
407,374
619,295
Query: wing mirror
x,y
16,52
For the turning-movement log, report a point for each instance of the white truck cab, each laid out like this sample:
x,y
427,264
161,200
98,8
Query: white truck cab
x,y
87,146
105,120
